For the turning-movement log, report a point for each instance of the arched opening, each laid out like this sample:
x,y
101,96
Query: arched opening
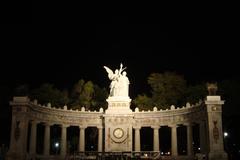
x,y
146,138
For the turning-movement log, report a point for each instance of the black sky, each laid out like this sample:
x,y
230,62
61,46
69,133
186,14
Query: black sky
x,y
53,50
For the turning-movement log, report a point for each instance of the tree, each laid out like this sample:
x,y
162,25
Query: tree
x,y
77,89
100,96
86,96
167,89
195,92
48,93
82,95
143,102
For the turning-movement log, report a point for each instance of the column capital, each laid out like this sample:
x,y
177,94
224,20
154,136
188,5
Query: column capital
x,y
82,126
137,127
99,127
173,125
34,122
188,124
65,125
155,127
48,124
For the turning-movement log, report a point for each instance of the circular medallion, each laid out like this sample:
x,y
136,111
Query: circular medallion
x,y
118,133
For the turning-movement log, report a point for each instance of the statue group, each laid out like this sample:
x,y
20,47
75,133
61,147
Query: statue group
x,y
120,82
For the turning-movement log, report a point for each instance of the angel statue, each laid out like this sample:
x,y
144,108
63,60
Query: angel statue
x,y
120,82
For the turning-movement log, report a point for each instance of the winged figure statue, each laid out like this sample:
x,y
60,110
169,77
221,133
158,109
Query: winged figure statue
x,y
110,72
117,80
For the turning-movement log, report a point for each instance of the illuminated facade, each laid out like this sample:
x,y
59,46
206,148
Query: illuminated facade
x,y
117,124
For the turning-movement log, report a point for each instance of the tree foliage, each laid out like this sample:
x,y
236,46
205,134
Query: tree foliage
x,y
48,93
82,94
167,88
143,102
195,92
100,96
89,95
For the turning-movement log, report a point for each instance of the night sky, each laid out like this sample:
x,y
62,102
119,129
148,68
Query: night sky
x,y
62,54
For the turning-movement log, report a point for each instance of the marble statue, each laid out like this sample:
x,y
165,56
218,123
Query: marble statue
x,y
120,82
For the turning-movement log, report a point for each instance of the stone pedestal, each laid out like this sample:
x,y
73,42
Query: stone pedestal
x,y
214,124
18,143
118,105
118,124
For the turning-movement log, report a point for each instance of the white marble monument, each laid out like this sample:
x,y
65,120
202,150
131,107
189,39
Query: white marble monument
x,y
118,100
118,117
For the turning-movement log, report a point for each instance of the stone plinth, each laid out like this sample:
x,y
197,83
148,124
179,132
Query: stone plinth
x,y
118,124
214,125
118,105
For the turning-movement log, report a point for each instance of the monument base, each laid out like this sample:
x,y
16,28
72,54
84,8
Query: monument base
x,y
118,124
118,105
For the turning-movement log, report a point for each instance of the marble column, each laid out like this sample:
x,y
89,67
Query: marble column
x,y
137,139
189,139
202,130
174,140
100,138
64,140
46,139
155,138
33,139
82,139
